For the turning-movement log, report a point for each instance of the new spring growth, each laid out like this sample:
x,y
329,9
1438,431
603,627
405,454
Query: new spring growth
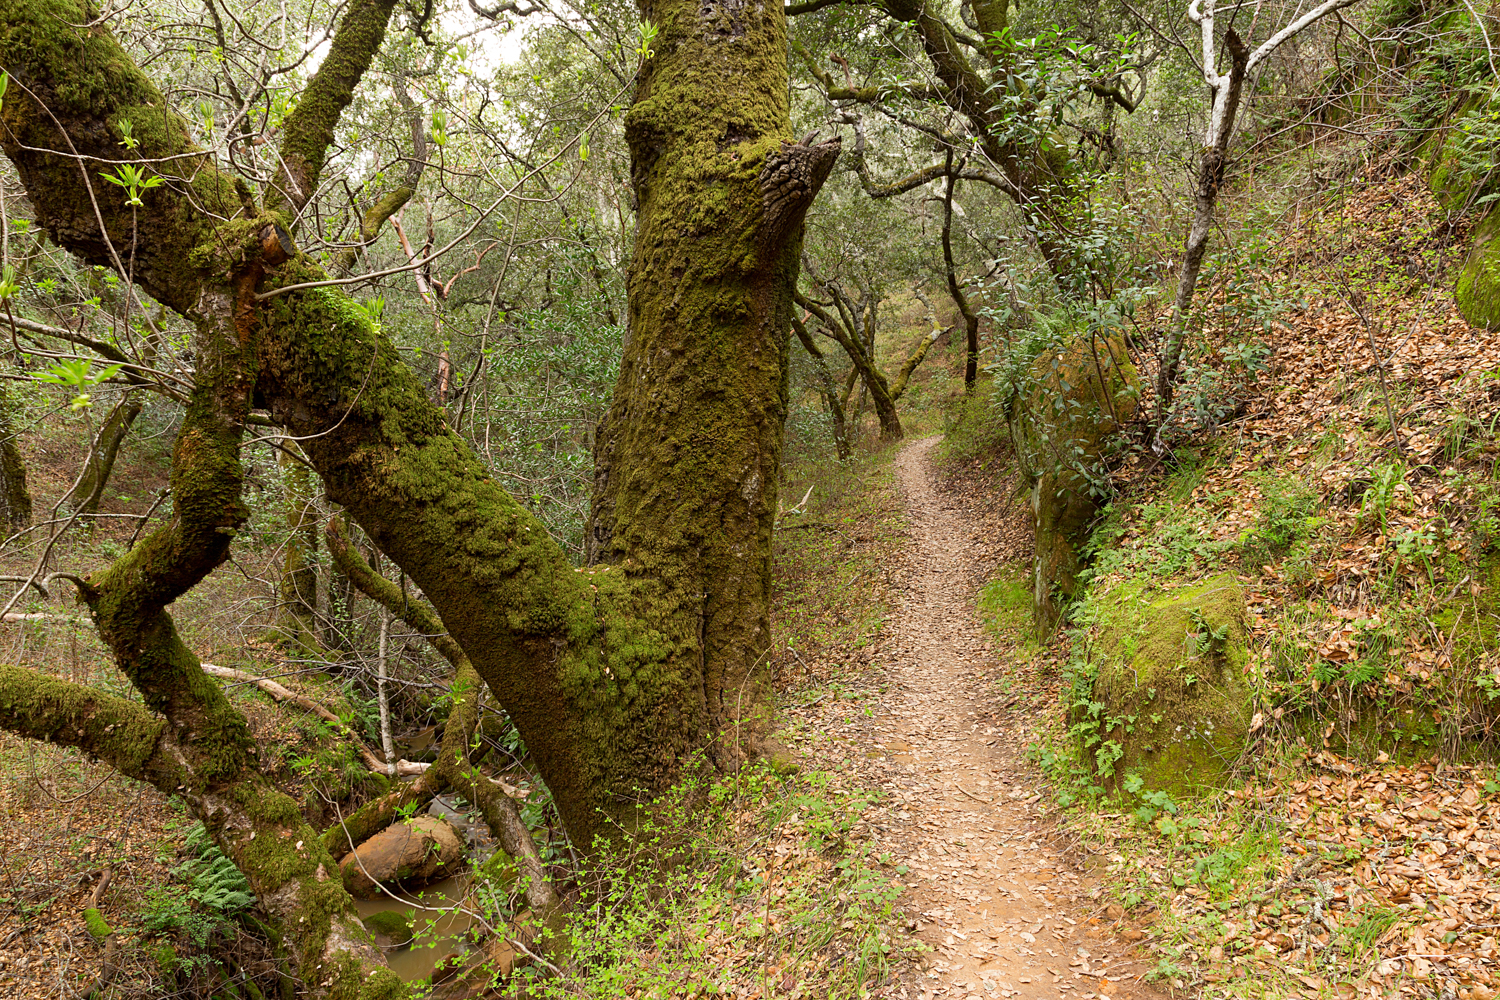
x,y
78,374
646,31
134,180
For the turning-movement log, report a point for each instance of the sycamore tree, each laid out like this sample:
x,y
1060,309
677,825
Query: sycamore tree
x,y
618,673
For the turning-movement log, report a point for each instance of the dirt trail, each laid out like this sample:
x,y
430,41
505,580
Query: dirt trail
x,y
1006,912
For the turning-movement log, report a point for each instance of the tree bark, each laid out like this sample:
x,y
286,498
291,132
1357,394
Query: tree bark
x,y
687,459
619,675
1211,162
100,463
829,389
297,613
15,498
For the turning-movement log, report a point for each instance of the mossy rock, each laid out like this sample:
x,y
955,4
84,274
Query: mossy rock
x,y
499,870
1452,182
1081,395
1478,292
389,928
1169,682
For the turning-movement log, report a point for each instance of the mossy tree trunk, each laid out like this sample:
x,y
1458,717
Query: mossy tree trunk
x,y
297,614
15,498
686,462
617,676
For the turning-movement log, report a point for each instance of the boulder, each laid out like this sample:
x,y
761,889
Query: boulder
x,y
389,928
1165,695
1478,289
410,854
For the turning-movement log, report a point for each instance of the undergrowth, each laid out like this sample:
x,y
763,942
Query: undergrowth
x,y
754,883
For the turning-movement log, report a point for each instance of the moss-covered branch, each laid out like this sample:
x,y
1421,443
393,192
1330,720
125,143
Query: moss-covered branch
x,y
123,734
903,377
308,130
72,88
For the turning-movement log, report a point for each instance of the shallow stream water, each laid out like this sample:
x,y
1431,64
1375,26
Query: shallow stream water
x,y
438,923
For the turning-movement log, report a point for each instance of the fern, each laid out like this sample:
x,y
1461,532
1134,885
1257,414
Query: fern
x,y
214,881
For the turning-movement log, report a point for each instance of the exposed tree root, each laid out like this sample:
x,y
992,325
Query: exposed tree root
x,y
105,935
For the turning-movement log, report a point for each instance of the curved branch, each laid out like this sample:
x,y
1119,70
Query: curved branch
x,y
861,95
916,178
955,289
828,386
308,130
376,215
913,360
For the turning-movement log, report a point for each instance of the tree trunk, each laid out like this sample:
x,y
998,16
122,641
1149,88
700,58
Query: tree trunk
x,y
100,463
15,498
870,377
829,389
955,287
687,460
1211,162
297,614
616,675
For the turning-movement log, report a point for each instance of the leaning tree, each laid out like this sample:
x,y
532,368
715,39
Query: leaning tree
x,y
616,673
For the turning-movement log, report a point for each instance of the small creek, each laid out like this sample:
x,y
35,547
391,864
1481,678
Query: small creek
x,y
438,916
438,923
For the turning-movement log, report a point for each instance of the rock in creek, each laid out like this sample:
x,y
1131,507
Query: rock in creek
x,y
412,853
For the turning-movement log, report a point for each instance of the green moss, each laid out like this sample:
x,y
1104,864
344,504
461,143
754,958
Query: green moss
x,y
98,928
119,731
1168,690
394,926
1478,291
308,130
1005,601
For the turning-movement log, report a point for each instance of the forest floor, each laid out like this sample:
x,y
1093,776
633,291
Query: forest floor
x,y
1004,903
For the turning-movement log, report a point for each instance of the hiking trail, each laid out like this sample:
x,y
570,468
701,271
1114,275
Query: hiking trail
x,y
998,896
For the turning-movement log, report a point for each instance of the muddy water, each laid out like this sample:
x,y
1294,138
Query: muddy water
x,y
437,920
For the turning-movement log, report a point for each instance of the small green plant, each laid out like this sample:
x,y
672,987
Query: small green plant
x,y
1361,938
79,374
210,892
1387,487
373,309
1207,640
1287,520
134,180
645,36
